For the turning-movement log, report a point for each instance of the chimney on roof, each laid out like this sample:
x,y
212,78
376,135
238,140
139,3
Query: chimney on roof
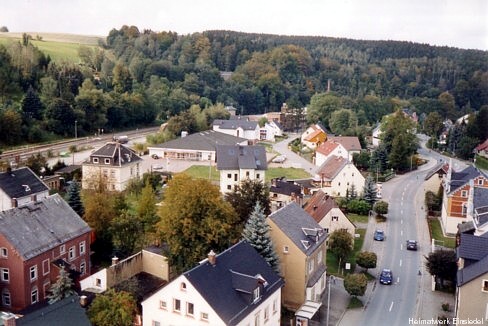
x,y
293,196
115,260
212,259
83,301
14,202
314,207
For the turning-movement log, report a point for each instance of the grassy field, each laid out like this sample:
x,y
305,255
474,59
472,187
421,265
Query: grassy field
x,y
202,172
436,233
481,162
332,262
60,47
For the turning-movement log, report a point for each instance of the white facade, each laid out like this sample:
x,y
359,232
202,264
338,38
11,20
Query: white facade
x,y
270,131
117,177
343,180
179,303
6,201
96,283
376,136
252,135
339,150
336,220
229,179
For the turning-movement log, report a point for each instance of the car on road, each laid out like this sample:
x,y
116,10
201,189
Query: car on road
x,y
157,167
386,277
412,245
279,159
379,235
155,156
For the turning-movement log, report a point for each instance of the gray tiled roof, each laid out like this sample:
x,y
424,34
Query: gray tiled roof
x,y
458,179
480,203
204,140
472,247
225,285
21,182
295,223
234,124
241,157
64,312
119,154
472,271
285,188
41,226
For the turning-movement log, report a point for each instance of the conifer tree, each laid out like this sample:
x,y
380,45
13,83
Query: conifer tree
x,y
74,199
256,233
63,287
369,191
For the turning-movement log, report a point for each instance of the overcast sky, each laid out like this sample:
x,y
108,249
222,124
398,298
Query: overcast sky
x,y
459,23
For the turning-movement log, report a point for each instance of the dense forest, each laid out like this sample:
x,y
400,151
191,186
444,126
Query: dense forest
x,y
138,78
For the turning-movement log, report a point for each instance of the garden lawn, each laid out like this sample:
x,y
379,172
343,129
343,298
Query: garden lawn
x,y
202,172
288,173
436,233
332,262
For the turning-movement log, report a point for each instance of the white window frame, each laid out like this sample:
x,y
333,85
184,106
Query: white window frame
x,y
286,249
83,267
36,291
4,252
484,286
72,253
5,272
464,193
174,305
163,305
82,246
46,270
204,316
6,298
33,273
256,294
188,305
107,161
95,160
183,286
62,249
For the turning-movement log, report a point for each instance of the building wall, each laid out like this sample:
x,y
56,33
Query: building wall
x,y
6,201
317,258
433,183
20,284
292,267
472,300
227,183
345,178
339,151
117,177
156,265
341,222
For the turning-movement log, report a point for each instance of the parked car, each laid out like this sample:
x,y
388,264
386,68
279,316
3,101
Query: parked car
x,y
157,167
155,156
379,235
412,245
279,159
386,277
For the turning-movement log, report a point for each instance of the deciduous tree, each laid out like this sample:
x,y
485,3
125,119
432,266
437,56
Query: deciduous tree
x,y
340,244
442,264
366,259
381,207
355,284
113,308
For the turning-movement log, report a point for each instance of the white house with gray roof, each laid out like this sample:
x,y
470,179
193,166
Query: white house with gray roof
x,y
236,287
200,146
20,187
114,163
300,243
238,163
239,127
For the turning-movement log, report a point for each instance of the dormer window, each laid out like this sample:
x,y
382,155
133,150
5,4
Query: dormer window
x,y
255,294
305,244
107,161
95,160
26,188
480,182
464,194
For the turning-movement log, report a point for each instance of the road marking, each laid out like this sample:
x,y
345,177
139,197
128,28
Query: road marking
x,y
398,279
401,232
401,246
401,222
391,306
401,212
400,263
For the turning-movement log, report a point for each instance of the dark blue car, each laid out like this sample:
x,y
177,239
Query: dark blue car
x,y
386,277
379,235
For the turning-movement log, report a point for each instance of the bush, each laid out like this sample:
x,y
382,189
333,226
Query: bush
x,y
358,206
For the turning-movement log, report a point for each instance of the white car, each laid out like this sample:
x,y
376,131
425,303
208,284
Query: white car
x,y
279,159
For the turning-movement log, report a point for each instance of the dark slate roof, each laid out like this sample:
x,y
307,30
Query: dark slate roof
x,y
299,227
472,271
234,124
64,312
204,141
466,227
472,247
41,226
21,182
119,154
241,157
226,286
480,204
283,187
440,167
458,179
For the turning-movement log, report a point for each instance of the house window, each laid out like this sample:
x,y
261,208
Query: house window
x,y
275,306
464,209
258,176
204,316
82,268
310,265
176,305
326,230
235,177
464,193
46,268
34,295
71,254
229,187
98,282
6,300
485,286
247,174
162,305
255,296
3,252
95,160
266,314
107,161
285,249
82,247
256,319
62,249
33,273
5,275
480,182
190,309
156,323
229,175
105,173
45,288
319,257
335,218
183,286
112,174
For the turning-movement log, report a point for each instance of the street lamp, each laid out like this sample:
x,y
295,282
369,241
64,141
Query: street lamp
x,y
209,166
76,129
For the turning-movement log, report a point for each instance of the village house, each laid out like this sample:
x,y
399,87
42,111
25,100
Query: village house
x,y
238,163
313,136
337,175
238,127
114,164
282,192
325,211
482,149
35,241
235,287
338,146
300,244
20,187
270,130
433,178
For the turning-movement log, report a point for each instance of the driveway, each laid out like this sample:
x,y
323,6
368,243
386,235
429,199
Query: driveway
x,y
293,160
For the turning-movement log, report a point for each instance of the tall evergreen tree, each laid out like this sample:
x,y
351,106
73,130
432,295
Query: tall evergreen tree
x,y
256,233
369,190
74,199
62,288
